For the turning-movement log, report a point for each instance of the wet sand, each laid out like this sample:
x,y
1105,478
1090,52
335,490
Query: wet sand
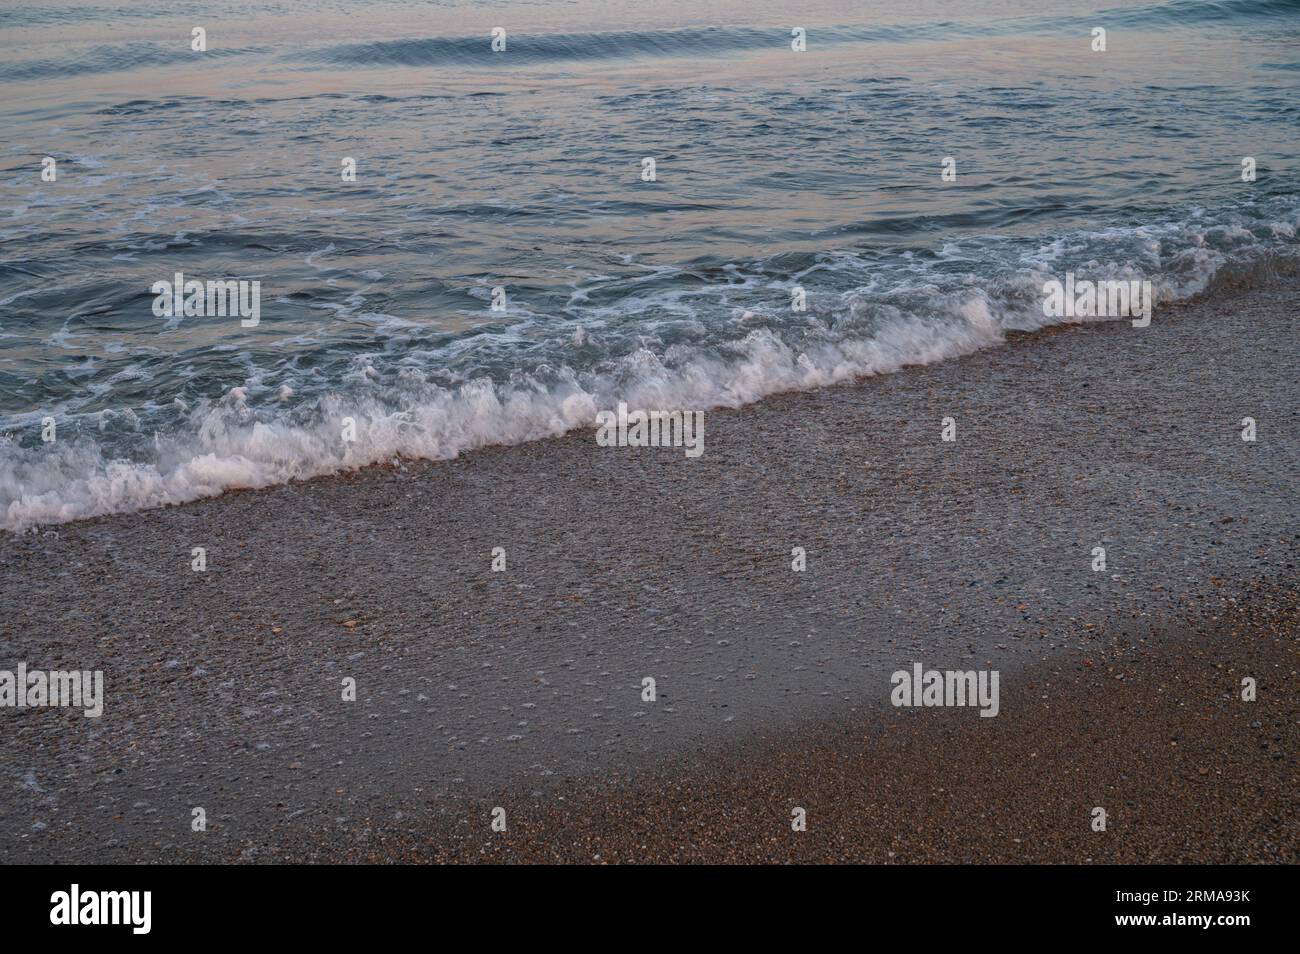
x,y
523,688
1161,740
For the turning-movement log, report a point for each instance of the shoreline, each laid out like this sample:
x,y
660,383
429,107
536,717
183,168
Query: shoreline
x,y
1260,275
223,687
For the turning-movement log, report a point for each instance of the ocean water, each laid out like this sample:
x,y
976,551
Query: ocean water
x,y
775,169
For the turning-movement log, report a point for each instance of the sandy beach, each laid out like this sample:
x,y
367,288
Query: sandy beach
x,y
523,689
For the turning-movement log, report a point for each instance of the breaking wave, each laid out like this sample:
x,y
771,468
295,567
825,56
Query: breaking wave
x,y
680,339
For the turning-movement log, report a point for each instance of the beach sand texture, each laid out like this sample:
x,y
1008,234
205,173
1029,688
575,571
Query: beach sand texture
x,y
522,689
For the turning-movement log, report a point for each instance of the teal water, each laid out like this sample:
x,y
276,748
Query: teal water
x,y
522,169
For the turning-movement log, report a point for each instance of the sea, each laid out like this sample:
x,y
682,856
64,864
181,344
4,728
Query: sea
x,y
477,223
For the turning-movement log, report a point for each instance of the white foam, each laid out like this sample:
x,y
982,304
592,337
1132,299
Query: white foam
x,y
226,450
872,329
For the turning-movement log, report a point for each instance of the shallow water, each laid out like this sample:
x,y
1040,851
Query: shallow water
x,y
522,169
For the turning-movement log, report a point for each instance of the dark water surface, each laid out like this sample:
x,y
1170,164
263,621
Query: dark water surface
x,y
523,169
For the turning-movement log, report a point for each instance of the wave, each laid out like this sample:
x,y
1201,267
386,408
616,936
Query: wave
x,y
697,341
531,49
1205,11
713,40
567,47
106,58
